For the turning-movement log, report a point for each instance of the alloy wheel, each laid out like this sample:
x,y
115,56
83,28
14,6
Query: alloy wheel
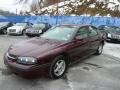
x,y
100,49
59,67
5,31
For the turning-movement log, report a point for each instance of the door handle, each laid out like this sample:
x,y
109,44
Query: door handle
x,y
80,40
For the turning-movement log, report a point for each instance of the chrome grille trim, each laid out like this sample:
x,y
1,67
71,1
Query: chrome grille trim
x,y
116,36
11,57
12,30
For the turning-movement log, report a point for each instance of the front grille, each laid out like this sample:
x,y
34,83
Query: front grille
x,y
36,31
12,30
28,31
116,36
33,31
11,57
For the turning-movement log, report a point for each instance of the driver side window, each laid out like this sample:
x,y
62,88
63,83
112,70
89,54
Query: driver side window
x,y
92,31
82,32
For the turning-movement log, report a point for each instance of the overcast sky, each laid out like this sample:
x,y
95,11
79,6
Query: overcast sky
x,y
9,5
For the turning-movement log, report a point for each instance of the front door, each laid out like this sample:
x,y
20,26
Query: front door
x,y
79,46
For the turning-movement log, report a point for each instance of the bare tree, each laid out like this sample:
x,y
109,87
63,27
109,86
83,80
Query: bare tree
x,y
76,7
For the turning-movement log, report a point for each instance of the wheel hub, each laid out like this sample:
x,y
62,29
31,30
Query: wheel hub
x,y
100,48
59,67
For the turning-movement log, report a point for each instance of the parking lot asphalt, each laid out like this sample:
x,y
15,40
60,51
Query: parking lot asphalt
x,y
94,73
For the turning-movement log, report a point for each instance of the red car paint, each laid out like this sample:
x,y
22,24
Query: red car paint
x,y
45,50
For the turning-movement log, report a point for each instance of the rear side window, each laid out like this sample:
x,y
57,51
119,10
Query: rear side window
x,y
83,32
101,27
92,31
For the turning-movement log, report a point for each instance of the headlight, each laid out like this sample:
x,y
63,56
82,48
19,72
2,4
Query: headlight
x,y
28,30
27,60
40,31
109,35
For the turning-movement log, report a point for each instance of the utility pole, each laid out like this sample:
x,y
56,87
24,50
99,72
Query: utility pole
x,y
57,6
16,11
57,13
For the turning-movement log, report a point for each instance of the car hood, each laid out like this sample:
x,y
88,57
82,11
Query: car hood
x,y
34,47
117,32
17,27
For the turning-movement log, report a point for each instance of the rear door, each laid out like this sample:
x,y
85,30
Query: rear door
x,y
94,39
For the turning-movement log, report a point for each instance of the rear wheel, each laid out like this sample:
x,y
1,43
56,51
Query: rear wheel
x,y
58,67
100,49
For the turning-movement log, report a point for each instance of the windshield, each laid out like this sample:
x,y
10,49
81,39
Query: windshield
x,y
59,33
111,29
3,23
39,25
118,30
20,24
101,27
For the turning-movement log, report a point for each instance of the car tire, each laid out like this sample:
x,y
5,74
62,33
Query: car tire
x,y
58,67
24,32
29,36
4,31
100,49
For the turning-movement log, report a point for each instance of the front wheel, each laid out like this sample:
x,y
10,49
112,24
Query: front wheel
x,y
58,67
100,49
24,32
30,36
4,31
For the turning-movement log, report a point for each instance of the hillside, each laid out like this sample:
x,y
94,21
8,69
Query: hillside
x,y
75,7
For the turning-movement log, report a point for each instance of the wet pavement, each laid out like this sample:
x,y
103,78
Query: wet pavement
x,y
94,73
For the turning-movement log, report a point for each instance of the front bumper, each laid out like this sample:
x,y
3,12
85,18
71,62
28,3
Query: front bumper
x,y
25,70
15,33
33,34
112,39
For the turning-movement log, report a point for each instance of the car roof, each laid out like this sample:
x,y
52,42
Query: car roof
x,y
40,23
73,25
20,22
108,26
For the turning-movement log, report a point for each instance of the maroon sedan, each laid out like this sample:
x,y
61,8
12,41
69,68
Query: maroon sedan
x,y
56,49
